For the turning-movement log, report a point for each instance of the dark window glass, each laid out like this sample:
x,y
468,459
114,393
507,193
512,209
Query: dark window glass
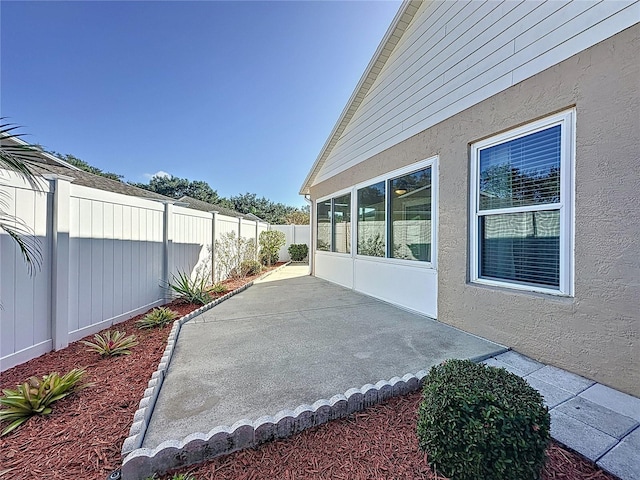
x,y
521,247
342,224
410,205
521,172
323,233
371,220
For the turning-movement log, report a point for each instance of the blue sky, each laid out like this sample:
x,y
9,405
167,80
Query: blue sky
x,y
239,94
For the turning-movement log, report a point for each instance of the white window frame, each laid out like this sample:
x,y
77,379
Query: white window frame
x,y
331,197
566,120
414,167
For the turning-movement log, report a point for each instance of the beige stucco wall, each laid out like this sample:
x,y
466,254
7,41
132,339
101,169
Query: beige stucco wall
x,y
597,333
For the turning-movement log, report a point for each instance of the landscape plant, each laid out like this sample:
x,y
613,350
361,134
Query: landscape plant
x,y
218,289
191,290
232,252
477,421
298,251
271,241
15,156
35,396
111,343
158,317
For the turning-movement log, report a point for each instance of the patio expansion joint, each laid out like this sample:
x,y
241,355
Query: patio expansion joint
x,y
198,447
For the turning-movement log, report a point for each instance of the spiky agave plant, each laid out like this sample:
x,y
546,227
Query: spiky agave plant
x,y
111,343
158,317
35,396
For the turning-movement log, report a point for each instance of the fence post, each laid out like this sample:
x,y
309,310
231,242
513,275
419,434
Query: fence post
x,y
167,248
60,260
213,246
256,254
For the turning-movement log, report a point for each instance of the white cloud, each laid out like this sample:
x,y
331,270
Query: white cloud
x,y
159,173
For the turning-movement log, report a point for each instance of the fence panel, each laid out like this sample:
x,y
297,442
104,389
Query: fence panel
x,y
112,257
294,234
191,242
25,321
115,258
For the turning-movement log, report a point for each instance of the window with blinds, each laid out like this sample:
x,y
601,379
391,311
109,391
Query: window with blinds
x,y
521,204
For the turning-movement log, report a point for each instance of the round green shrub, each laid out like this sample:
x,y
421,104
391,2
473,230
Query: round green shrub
x,y
251,267
298,251
477,421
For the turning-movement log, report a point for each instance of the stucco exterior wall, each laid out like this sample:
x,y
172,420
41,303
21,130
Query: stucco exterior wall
x,y
597,332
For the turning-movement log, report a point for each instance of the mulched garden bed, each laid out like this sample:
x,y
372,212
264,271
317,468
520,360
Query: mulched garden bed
x,y
378,443
81,439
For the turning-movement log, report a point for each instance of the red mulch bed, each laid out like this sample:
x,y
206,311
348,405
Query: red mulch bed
x,y
83,436
378,443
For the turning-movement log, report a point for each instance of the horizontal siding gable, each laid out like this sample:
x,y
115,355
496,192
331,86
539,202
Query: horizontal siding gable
x,y
455,54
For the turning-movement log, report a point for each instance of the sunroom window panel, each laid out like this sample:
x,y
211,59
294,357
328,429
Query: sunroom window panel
x,y
521,247
372,220
323,223
521,172
342,224
410,205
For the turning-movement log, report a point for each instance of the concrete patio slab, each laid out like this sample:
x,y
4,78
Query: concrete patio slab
x,y
288,342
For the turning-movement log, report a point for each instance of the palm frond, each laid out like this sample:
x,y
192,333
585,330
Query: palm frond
x,y
26,239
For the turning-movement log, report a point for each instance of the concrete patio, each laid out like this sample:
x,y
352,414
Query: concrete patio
x,y
294,351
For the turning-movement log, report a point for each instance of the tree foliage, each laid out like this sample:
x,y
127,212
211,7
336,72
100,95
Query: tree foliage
x,y
272,212
175,187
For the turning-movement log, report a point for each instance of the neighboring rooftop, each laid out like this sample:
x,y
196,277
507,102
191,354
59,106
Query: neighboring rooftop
x,y
211,207
86,179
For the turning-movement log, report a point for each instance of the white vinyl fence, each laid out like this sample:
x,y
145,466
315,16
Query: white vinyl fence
x,y
106,258
294,234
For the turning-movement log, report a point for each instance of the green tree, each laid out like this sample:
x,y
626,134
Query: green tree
x,y
297,217
271,242
175,187
15,156
272,212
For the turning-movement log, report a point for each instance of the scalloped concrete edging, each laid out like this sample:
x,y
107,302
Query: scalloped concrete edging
x,y
199,447
145,408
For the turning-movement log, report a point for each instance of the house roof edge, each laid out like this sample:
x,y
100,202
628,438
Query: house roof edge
x,y
396,30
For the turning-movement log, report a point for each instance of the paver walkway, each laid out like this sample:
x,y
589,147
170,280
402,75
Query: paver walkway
x,y
594,420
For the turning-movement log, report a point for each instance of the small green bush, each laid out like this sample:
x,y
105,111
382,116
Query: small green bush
x,y
477,421
111,343
158,317
192,291
35,396
218,289
271,241
298,251
251,267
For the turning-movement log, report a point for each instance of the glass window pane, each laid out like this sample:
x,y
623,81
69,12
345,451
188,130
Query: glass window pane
x,y
371,220
410,233
342,224
521,247
524,171
323,225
